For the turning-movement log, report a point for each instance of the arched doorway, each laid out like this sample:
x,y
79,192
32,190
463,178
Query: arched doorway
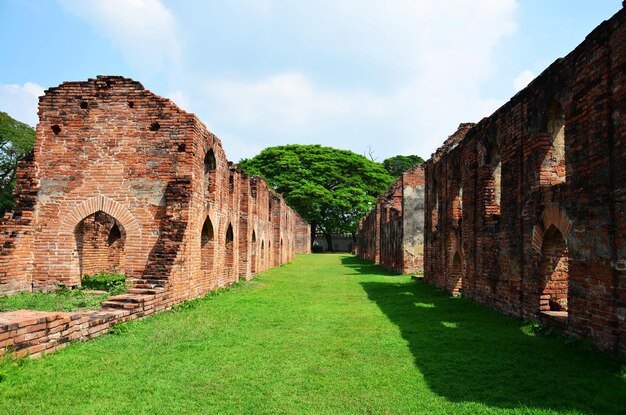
x,y
100,241
207,248
253,256
229,260
554,270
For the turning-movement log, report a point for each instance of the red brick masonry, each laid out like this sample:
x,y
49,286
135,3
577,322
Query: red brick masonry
x,y
392,234
122,180
526,210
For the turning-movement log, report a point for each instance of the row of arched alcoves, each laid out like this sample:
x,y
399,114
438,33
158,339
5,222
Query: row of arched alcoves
x,y
479,157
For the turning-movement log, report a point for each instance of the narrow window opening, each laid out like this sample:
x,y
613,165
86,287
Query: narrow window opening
x,y
493,188
435,208
209,169
553,170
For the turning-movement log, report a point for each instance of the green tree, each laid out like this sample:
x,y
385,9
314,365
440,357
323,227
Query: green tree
x,y
329,188
397,165
16,140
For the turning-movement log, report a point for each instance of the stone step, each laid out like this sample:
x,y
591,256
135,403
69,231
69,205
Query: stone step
x,y
120,305
145,291
131,298
147,286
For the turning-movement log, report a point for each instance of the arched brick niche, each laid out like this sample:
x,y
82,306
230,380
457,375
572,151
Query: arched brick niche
x,y
71,233
550,244
455,282
207,248
552,215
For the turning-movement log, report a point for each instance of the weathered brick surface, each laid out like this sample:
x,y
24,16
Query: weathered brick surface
x,y
525,211
122,180
392,233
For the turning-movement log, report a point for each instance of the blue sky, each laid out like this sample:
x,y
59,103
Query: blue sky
x,y
372,76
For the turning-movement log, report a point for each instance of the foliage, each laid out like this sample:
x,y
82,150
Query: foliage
x,y
330,334
397,165
64,299
330,188
113,283
16,140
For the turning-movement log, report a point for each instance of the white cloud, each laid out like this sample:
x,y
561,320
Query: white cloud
x,y
20,101
441,54
286,99
435,58
143,30
523,79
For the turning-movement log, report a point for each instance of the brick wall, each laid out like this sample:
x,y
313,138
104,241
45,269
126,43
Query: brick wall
x,y
122,179
525,210
392,233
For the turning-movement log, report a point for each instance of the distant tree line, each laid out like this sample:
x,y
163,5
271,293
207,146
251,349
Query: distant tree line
x,y
331,189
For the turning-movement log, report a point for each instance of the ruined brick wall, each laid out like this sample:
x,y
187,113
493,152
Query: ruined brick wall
x,y
413,193
122,179
391,226
526,210
368,236
392,233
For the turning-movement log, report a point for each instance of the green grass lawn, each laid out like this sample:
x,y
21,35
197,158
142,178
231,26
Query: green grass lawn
x,y
65,299
61,300
327,334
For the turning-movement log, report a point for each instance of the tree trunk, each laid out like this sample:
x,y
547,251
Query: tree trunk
x,y
329,241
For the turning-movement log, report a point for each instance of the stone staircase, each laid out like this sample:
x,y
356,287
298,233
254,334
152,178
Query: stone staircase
x,y
140,297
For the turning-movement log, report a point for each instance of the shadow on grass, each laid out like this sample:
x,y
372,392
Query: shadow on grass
x,y
362,266
469,353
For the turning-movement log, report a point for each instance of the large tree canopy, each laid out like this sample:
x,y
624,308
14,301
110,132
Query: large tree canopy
x,y
16,140
330,188
397,165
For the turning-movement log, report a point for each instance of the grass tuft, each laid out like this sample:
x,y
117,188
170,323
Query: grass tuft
x,y
113,283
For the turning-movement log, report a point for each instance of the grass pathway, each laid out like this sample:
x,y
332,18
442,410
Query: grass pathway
x,y
327,334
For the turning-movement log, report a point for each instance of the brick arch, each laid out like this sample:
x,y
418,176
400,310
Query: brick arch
x,y
97,204
66,242
552,215
208,212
